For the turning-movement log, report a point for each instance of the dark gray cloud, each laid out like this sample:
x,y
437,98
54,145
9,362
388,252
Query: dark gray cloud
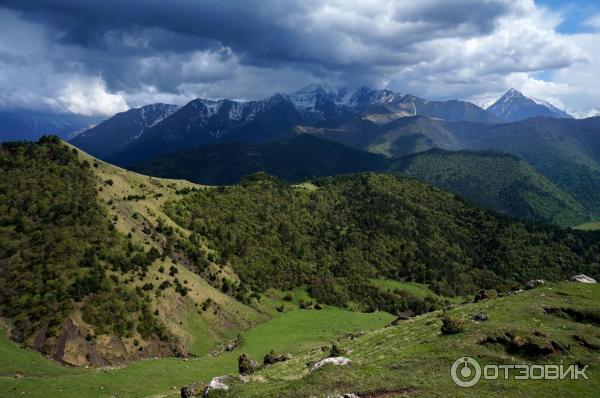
x,y
150,49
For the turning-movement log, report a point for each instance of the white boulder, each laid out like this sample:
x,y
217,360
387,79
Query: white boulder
x,y
583,279
218,383
338,361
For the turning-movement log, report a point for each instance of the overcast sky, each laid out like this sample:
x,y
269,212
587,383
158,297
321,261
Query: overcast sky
x,y
104,56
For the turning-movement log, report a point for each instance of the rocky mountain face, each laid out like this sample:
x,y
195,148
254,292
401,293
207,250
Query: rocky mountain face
x,y
514,106
122,129
203,121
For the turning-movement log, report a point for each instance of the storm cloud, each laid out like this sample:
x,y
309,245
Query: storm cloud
x,y
98,57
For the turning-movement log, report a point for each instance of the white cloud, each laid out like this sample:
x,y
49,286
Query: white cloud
x,y
593,22
437,49
88,96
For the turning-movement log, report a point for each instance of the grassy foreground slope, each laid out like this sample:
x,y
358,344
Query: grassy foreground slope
x,y
496,181
293,332
410,359
414,358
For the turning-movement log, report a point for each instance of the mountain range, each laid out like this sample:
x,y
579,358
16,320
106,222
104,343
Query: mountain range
x,y
122,129
202,121
144,133
217,142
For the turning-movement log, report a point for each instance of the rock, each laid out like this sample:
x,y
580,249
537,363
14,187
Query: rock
x,y
480,317
337,361
193,390
532,284
583,279
198,389
272,358
482,295
246,365
218,383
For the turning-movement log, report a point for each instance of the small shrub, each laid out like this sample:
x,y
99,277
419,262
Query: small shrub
x,y
452,325
335,351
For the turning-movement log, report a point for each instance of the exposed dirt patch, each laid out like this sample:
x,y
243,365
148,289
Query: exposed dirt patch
x,y
398,392
532,346
576,315
586,343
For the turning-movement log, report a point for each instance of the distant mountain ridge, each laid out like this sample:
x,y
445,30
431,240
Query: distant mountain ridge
x,y
567,151
122,129
296,158
203,122
514,106
493,180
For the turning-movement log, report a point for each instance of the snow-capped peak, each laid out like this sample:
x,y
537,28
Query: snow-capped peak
x,y
514,106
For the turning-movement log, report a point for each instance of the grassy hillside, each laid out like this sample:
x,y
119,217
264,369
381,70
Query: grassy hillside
x,y
62,260
414,358
354,228
91,271
294,331
101,266
496,181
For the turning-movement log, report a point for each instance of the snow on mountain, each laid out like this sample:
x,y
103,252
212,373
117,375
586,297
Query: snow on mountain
x,y
315,98
578,114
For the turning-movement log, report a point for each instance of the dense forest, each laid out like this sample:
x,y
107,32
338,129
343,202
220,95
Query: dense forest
x,y
338,233
495,181
295,158
60,252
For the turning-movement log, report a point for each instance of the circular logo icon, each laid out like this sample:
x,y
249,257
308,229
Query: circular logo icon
x,y
465,372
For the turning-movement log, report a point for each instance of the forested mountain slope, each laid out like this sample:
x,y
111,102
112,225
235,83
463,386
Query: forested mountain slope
x,y
87,274
496,181
335,235
294,158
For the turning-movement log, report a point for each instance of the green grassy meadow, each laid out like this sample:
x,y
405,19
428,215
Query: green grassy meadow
x,y
293,331
414,359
